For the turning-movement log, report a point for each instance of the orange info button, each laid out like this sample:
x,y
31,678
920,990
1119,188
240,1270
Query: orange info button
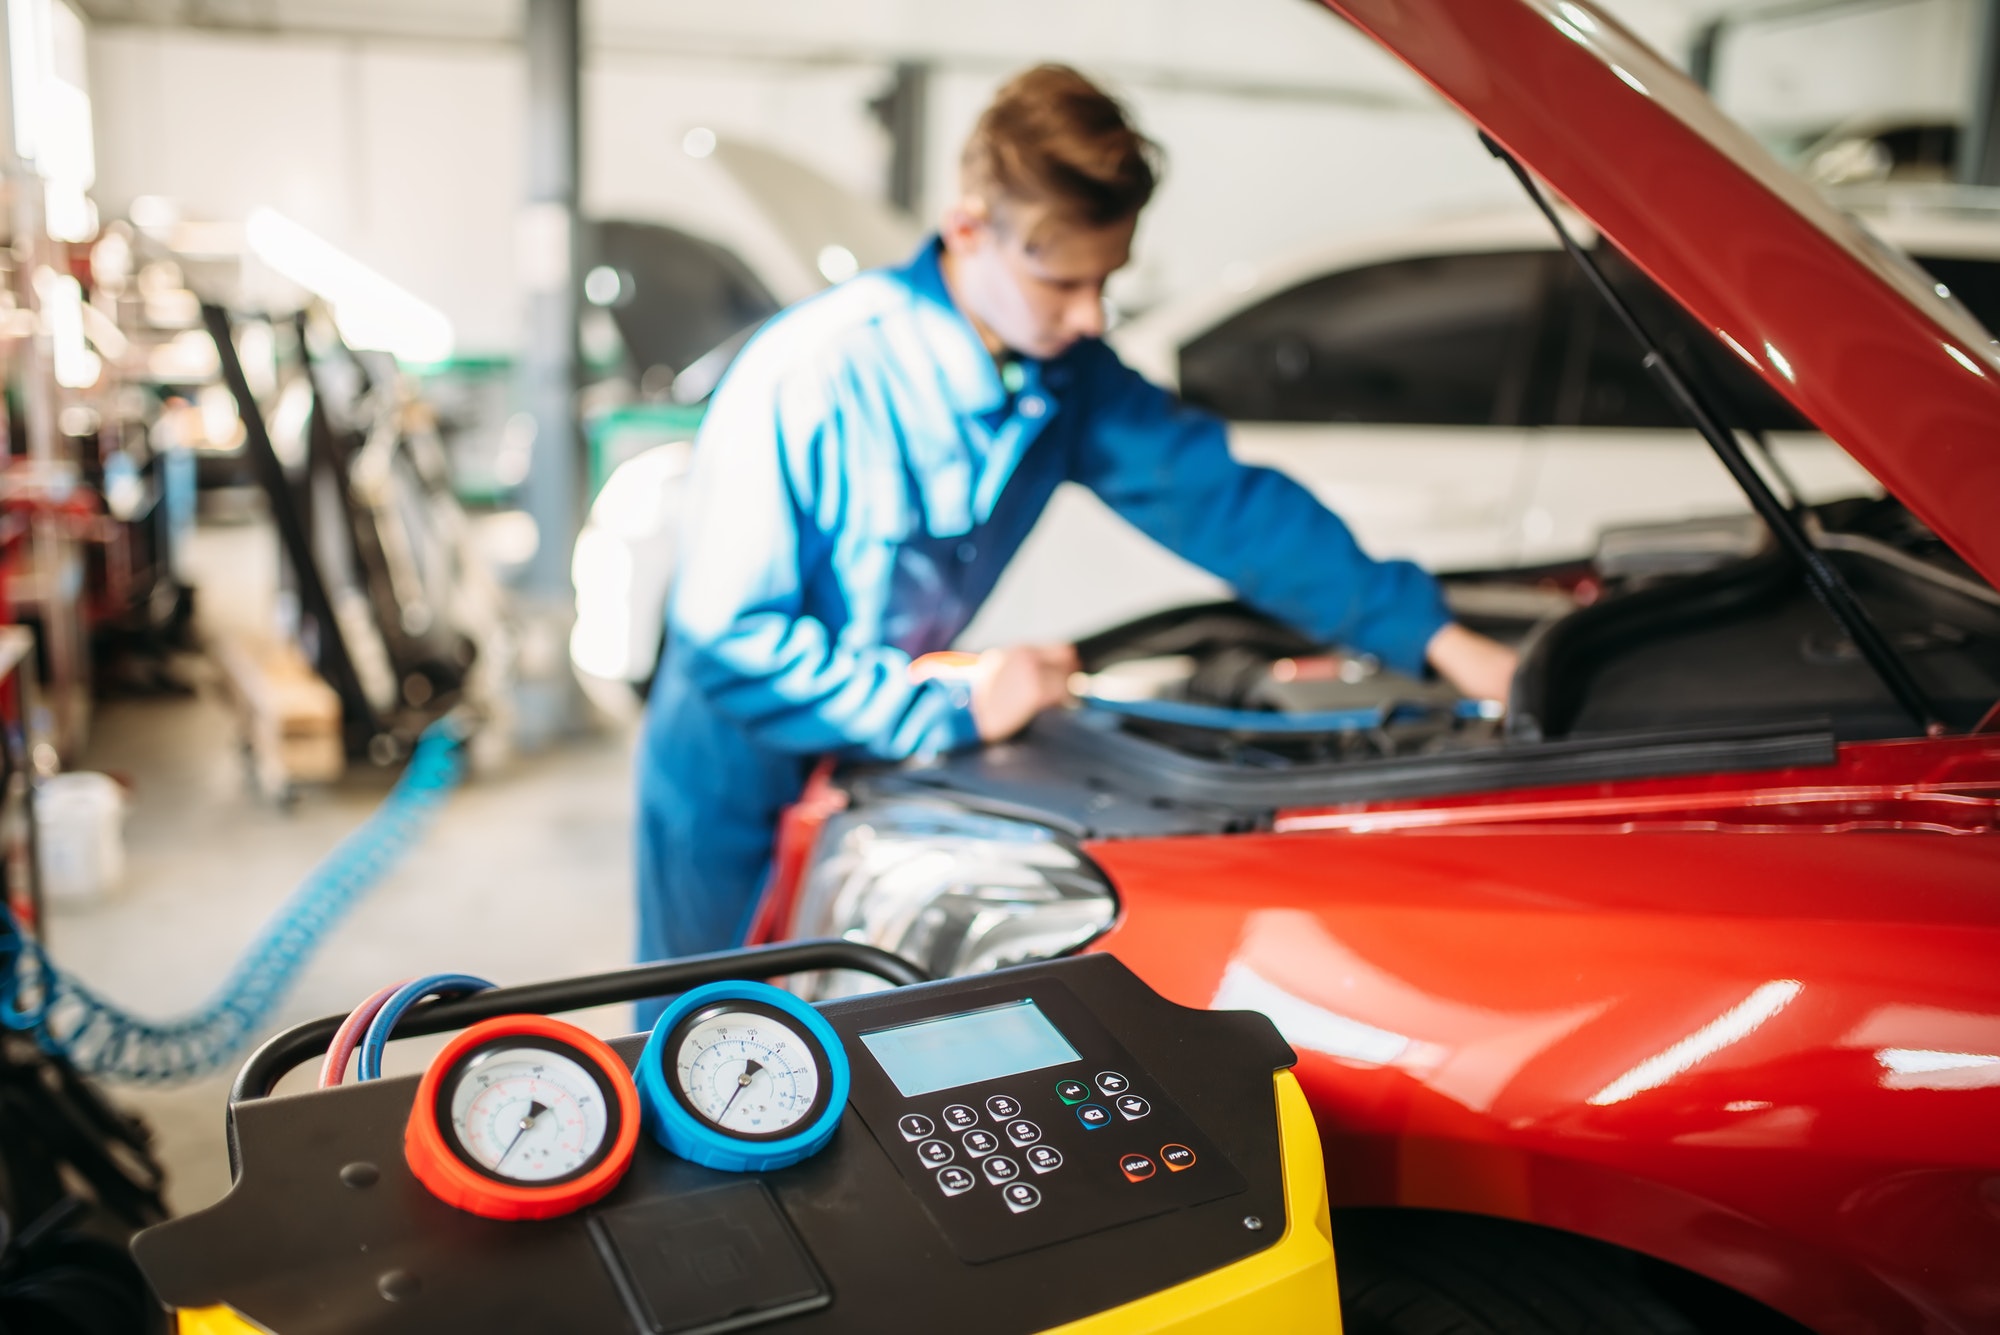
x,y
1176,1157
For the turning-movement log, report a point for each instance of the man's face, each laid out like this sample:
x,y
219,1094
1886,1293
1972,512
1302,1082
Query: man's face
x,y
1032,283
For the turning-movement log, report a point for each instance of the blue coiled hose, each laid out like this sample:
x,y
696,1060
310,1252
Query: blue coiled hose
x,y
66,1017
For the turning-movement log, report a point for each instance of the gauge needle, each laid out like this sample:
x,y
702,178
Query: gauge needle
x,y
534,1110
750,1068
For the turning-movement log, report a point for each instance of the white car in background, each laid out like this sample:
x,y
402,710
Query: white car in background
x,y
1456,393
1451,389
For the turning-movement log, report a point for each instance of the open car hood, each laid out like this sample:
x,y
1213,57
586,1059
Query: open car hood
x,y
1854,336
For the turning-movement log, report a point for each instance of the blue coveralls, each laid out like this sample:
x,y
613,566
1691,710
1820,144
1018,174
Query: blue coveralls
x,y
862,477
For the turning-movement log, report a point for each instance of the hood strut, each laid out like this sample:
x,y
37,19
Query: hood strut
x,y
1821,576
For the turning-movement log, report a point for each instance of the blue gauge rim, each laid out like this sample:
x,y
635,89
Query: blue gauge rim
x,y
684,1130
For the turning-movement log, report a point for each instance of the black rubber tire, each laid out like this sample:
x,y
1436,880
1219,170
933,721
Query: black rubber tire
x,y
1429,1273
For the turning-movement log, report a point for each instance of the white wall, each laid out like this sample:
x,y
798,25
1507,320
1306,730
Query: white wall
x,y
1804,73
406,155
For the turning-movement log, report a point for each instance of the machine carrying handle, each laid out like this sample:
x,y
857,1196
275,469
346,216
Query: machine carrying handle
x,y
303,1042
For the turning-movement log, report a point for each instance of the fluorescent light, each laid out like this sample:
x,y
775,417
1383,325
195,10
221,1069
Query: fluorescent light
x,y
76,366
371,311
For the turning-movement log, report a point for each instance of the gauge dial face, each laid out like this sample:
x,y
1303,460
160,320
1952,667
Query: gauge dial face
x,y
524,1113
747,1072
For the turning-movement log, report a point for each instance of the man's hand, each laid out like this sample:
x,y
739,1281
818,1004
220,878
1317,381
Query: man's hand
x,y
1012,685
1480,668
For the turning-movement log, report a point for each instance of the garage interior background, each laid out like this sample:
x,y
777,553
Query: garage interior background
x,y
398,133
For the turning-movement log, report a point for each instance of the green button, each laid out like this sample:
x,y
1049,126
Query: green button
x,y
1072,1091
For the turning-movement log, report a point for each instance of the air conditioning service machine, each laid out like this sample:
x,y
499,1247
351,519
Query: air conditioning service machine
x,y
1053,1147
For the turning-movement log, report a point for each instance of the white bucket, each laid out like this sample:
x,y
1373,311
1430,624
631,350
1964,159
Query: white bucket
x,y
80,836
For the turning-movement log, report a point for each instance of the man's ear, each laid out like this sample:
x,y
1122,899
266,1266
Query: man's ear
x,y
963,226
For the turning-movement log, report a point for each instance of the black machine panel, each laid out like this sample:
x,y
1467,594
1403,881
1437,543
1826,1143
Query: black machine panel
x,y
1028,1156
326,1229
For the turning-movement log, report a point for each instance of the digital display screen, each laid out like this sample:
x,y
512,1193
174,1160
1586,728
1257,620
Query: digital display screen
x,y
966,1049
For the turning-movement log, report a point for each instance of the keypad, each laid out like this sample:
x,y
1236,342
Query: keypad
x,y
1004,1169
998,1143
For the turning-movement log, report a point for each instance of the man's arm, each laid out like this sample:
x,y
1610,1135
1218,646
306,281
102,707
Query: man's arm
x,y
1167,468
769,500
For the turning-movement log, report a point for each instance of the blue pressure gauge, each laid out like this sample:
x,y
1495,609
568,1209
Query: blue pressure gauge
x,y
742,1077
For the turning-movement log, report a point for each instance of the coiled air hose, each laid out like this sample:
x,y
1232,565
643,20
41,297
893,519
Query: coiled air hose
x,y
66,1017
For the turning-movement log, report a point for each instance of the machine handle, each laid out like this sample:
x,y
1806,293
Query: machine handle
x,y
303,1042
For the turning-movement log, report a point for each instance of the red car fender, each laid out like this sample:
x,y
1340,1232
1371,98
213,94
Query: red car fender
x,y
1772,1060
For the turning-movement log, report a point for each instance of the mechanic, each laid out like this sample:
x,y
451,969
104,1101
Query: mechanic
x,y
875,457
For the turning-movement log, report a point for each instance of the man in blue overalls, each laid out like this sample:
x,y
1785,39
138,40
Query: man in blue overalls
x,y
878,453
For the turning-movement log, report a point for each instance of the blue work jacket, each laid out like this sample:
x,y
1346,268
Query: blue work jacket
x,y
863,475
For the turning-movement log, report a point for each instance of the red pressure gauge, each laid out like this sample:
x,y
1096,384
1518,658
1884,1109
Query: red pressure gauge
x,y
523,1117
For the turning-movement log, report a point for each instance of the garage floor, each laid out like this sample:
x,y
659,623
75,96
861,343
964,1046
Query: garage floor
x,y
526,874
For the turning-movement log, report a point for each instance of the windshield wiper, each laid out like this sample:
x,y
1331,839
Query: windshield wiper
x,y
1825,581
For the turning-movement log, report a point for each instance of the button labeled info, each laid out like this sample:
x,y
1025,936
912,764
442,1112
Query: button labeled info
x,y
1176,1157
1136,1167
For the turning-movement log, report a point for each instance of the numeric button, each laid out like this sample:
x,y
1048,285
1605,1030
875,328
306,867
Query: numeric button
x,y
1023,1132
1002,1107
956,1180
1000,1169
914,1126
979,1144
960,1118
1110,1082
1131,1107
936,1153
1021,1196
1044,1158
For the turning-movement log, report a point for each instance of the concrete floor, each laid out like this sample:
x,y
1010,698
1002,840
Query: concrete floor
x,y
526,874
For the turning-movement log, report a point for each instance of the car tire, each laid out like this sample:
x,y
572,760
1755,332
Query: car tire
x,y
1422,1273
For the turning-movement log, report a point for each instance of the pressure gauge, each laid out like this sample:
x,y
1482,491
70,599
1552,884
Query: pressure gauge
x,y
523,1117
743,1077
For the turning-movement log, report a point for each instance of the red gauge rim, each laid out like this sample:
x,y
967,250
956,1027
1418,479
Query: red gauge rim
x,y
458,1184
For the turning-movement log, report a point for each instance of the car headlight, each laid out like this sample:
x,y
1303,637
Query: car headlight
x,y
953,890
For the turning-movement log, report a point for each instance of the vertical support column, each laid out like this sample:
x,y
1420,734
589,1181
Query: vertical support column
x,y
548,700
1979,145
902,109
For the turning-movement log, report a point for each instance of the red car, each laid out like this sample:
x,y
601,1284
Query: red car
x,y
1670,1001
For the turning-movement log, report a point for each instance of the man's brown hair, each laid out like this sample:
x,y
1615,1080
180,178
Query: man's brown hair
x,y
1053,138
